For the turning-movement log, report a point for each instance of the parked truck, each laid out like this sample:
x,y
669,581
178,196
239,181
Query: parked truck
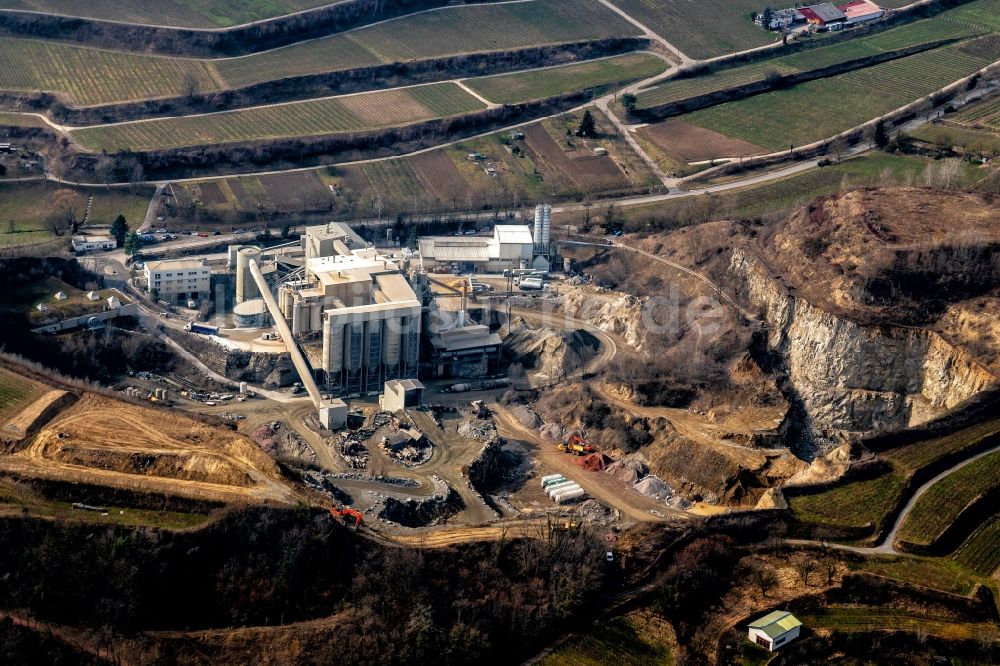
x,y
531,284
204,329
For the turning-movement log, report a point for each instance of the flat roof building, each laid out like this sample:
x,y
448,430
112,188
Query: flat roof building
x,y
511,246
860,11
402,394
178,280
91,242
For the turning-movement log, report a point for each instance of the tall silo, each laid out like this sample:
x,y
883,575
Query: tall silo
x,y
246,287
542,231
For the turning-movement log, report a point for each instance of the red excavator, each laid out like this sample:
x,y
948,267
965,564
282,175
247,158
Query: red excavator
x,y
350,516
577,445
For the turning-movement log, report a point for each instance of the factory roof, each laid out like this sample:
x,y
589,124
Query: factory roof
x,y
445,248
348,268
174,264
336,231
465,337
513,233
404,384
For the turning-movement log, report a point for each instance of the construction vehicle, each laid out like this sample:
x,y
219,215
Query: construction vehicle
x,y
577,445
479,410
350,516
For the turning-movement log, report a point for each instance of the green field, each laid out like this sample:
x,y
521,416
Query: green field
x,y
310,118
869,619
592,75
24,208
855,504
819,109
923,453
921,32
179,13
984,114
944,501
89,76
970,141
978,14
20,120
981,551
16,392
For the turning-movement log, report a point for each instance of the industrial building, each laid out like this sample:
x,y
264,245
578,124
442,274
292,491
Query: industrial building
x,y
178,280
512,246
355,299
774,630
400,394
463,348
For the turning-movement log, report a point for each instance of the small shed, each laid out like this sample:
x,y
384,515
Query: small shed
x,y
61,296
775,630
93,296
114,303
401,394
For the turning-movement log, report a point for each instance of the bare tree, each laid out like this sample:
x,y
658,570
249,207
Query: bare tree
x,y
804,566
763,577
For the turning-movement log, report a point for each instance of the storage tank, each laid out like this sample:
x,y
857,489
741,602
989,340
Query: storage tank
x,y
410,347
316,316
373,355
287,300
333,348
543,227
569,496
551,477
246,287
298,318
391,341
556,487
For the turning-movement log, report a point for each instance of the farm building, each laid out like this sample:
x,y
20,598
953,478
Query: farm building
x,y
178,280
824,15
780,19
860,11
402,394
774,630
511,246
88,243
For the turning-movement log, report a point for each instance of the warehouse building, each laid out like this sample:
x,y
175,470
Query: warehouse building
x,y
511,246
91,242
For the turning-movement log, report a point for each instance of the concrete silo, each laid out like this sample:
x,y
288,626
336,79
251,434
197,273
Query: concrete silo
x,y
246,288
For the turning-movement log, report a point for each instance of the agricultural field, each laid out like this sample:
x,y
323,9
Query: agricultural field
x,y
176,13
984,114
921,32
978,14
923,453
856,504
449,31
639,638
981,551
596,75
16,393
331,115
819,109
966,140
868,619
935,572
89,76
681,143
941,504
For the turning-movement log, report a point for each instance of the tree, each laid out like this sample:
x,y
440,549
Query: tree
x,y
133,244
190,86
804,566
881,136
588,127
63,215
763,577
765,17
119,229
628,102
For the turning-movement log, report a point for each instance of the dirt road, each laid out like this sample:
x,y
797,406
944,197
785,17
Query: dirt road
x,y
630,505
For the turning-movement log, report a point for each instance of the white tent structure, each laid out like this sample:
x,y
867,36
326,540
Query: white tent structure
x,y
93,296
61,296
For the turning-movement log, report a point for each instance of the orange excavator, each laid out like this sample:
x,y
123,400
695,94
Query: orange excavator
x,y
577,445
350,516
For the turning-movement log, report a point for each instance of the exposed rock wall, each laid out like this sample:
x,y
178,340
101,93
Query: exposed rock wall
x,y
857,378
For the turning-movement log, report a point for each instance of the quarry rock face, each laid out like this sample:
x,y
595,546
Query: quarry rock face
x,y
859,378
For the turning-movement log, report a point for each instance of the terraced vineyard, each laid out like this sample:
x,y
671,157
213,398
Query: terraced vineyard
x,y
179,13
92,76
818,109
985,114
16,392
979,14
450,31
981,551
855,504
923,453
20,120
864,619
922,32
941,504
592,75
88,76
311,118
